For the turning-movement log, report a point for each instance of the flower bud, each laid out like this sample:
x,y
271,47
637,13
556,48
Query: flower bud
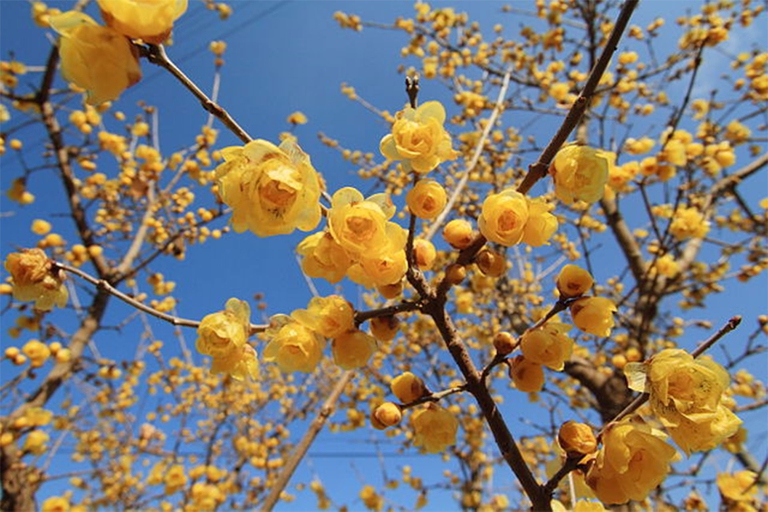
x,y
455,273
386,415
426,199
504,343
408,388
384,328
573,281
424,253
391,291
593,315
491,263
527,376
458,233
576,439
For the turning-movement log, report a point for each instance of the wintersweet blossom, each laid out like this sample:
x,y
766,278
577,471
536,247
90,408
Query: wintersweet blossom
x,y
148,20
293,346
330,316
576,439
594,315
541,224
426,199
386,415
549,345
573,281
96,58
688,223
503,217
379,270
408,387
526,375
580,173
434,428
353,349
633,460
35,279
686,394
223,336
738,488
272,190
323,257
418,138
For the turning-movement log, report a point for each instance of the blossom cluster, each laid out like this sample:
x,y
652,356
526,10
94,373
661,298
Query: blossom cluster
x,y
223,336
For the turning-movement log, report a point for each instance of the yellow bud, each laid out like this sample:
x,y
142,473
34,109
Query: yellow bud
x,y
384,328
458,233
573,281
504,343
491,263
391,291
408,388
576,439
424,253
386,415
455,273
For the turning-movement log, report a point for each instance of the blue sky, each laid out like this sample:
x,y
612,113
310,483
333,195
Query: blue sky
x,y
283,57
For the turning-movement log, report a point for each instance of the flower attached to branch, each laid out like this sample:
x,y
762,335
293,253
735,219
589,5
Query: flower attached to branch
x,y
580,173
223,336
434,428
573,281
418,138
549,345
272,190
148,20
36,279
686,394
509,218
594,315
633,460
292,345
96,58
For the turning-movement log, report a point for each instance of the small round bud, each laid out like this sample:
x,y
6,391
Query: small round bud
x,y
458,233
491,263
384,328
12,352
386,415
424,253
504,343
408,388
527,376
577,439
573,281
455,273
391,291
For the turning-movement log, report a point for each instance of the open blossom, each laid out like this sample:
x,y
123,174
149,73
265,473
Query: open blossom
x,y
223,336
96,58
426,199
293,346
323,257
526,375
580,173
593,315
688,223
380,270
34,279
549,345
434,428
503,217
541,224
330,316
272,190
633,460
418,138
686,394
148,20
353,349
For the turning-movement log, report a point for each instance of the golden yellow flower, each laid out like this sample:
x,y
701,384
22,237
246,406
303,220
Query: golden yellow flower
x,y
330,316
379,270
294,347
549,345
426,199
96,58
56,504
580,173
323,257
503,217
633,460
739,486
272,190
576,438
35,443
361,225
174,479
386,415
458,233
593,315
222,334
418,138
353,349
526,375
573,281
384,328
408,387
688,223
424,253
148,20
34,279
434,428
240,363
37,352
541,224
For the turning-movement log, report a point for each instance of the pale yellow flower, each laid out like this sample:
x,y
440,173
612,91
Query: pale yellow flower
x,y
594,315
580,173
434,428
292,346
353,349
148,20
503,217
35,279
549,345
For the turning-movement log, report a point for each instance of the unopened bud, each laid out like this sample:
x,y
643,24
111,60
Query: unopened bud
x,y
504,343
455,273
576,439
491,263
573,281
408,388
384,328
386,415
391,291
458,233
424,253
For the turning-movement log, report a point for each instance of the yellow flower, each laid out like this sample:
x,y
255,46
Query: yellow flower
x,y
56,504
576,438
330,316
426,199
239,363
37,352
353,349
408,387
371,499
418,138
18,191
294,347
96,58
206,496
580,173
380,270
549,345
633,460
688,223
224,333
148,20
458,233
573,281
34,279
386,415
361,225
424,253
503,217
35,442
272,190
323,257
593,315
526,375
174,479
739,486
297,118
434,428
685,393
541,224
